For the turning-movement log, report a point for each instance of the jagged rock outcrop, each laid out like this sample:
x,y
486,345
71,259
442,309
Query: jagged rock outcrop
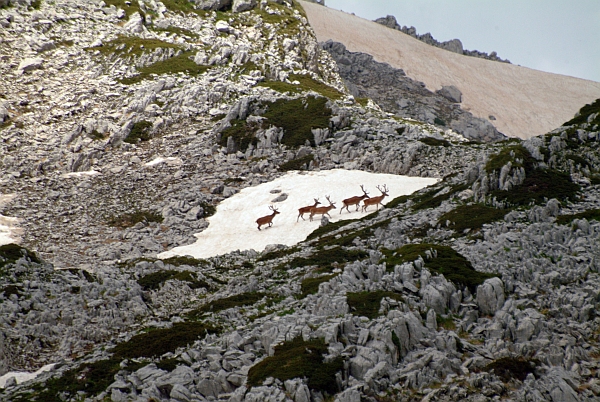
x,y
453,45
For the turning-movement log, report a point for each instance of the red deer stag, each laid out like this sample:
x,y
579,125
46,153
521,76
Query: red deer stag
x,y
354,200
306,210
376,200
322,210
267,220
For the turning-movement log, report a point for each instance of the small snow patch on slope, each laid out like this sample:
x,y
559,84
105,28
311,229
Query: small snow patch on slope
x,y
233,227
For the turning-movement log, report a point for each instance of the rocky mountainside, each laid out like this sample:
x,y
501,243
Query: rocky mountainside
x,y
124,124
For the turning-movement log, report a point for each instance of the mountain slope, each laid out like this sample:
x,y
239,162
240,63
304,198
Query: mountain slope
x,y
523,101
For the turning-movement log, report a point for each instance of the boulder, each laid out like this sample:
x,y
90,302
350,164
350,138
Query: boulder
x,y
213,5
243,5
30,64
490,296
451,93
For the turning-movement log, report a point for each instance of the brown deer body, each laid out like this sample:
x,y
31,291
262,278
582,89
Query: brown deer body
x,y
354,200
376,200
306,210
322,210
267,220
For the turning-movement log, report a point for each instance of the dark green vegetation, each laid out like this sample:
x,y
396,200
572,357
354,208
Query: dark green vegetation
x,y
140,131
287,24
173,65
330,227
180,260
242,133
11,290
240,300
128,220
10,253
590,214
131,7
310,286
429,199
444,260
346,238
326,260
367,304
539,186
446,322
439,121
297,117
434,142
397,201
157,342
154,280
508,368
273,255
471,217
301,163
299,359
584,113
305,83
516,154
91,278
93,378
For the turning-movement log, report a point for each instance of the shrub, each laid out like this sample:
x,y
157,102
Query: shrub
x,y
431,200
439,121
243,299
367,304
434,142
184,260
10,253
133,45
273,255
591,214
154,280
128,220
508,368
299,359
140,131
453,265
301,163
324,259
243,134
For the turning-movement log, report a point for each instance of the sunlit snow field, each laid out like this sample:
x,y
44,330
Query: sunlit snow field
x,y
9,231
233,226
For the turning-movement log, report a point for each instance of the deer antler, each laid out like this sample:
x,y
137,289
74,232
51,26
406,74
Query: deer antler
x,y
363,189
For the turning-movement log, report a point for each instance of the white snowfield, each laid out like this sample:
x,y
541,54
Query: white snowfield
x,y
9,230
525,102
22,376
233,227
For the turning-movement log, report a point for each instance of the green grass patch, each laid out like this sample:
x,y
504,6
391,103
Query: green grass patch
x,y
584,113
330,227
157,342
578,160
471,217
439,121
131,219
297,117
446,322
326,259
346,238
176,31
434,142
539,186
140,131
518,155
183,6
184,260
305,83
299,359
173,65
364,102
129,7
590,214
310,286
301,163
453,265
154,280
133,45
508,368
215,306
367,304
397,201
10,253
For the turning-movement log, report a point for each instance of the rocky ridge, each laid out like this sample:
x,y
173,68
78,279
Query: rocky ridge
x,y
453,45
417,301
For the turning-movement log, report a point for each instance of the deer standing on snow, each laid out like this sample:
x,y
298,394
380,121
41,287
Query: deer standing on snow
x,y
354,200
322,210
376,200
267,219
306,210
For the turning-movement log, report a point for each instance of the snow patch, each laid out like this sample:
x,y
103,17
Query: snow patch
x,y
233,226
170,161
81,174
9,231
22,376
